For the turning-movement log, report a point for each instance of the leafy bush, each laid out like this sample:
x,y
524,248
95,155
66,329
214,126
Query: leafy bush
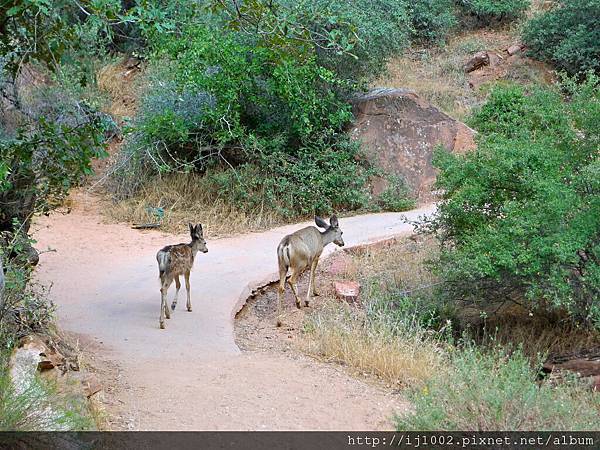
x,y
487,12
519,215
495,391
381,29
567,36
396,196
432,20
271,121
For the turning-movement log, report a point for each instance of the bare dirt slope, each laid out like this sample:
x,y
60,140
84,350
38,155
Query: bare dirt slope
x,y
192,376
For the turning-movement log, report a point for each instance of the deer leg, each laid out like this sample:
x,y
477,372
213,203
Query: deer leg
x,y
177,286
167,310
311,281
187,288
292,282
163,305
312,274
280,293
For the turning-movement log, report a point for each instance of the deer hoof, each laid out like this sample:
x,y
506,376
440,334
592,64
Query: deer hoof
x,y
162,325
278,322
306,303
189,309
173,305
298,305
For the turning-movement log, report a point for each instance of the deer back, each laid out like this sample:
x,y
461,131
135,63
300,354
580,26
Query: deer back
x,y
306,243
180,258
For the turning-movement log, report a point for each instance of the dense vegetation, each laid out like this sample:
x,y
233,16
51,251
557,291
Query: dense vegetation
x,y
403,335
567,36
519,220
490,12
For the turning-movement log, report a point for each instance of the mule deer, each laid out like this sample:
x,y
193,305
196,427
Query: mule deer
x,y
176,260
300,250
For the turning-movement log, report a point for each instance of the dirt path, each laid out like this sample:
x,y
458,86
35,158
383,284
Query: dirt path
x,y
192,376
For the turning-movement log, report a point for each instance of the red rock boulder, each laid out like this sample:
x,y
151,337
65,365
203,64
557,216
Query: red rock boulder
x,y
399,131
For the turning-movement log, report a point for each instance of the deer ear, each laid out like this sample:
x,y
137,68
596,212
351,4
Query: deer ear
x,y
320,222
191,228
199,229
334,221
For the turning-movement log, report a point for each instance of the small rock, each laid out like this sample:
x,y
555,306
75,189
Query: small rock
x,y
596,383
49,358
347,290
132,63
477,61
514,49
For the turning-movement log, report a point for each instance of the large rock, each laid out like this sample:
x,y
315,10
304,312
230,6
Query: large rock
x,y
399,131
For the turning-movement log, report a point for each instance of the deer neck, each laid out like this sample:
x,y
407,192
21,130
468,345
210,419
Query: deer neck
x,y
194,246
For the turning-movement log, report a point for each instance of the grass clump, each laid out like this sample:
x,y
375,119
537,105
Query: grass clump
x,y
35,404
401,354
492,390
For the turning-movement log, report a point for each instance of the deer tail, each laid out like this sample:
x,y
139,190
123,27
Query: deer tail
x,y
283,254
163,258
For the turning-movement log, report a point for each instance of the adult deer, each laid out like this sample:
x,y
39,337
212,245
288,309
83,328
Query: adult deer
x,y
300,250
176,260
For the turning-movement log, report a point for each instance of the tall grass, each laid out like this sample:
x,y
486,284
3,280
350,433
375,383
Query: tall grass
x,y
494,390
189,197
403,355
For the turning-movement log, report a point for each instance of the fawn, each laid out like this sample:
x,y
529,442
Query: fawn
x,y
300,250
176,260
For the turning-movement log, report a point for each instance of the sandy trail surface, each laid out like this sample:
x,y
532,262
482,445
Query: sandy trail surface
x,y
192,376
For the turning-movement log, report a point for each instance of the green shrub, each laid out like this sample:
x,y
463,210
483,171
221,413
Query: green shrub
x,y
488,12
37,405
567,36
396,196
496,391
432,20
519,218
321,178
382,29
270,121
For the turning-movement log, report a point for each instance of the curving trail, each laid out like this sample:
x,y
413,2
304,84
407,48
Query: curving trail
x,y
192,376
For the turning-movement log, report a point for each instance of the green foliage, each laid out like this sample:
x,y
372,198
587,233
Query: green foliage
x,y
321,177
396,196
37,405
23,309
520,214
432,20
381,29
567,36
495,391
269,118
488,12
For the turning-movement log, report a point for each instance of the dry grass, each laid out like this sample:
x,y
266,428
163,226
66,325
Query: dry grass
x,y
122,87
437,74
186,197
380,339
400,353
538,333
339,333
